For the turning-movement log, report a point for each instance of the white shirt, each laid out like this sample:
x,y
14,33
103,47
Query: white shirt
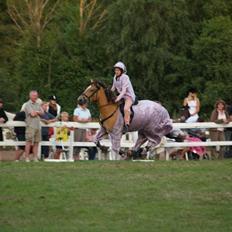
x,y
192,109
82,113
221,116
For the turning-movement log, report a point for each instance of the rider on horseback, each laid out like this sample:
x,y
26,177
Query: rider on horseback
x,y
122,84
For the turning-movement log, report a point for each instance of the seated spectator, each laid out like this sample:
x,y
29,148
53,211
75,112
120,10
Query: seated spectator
x,y
81,114
62,134
220,116
53,107
193,105
20,134
3,118
46,118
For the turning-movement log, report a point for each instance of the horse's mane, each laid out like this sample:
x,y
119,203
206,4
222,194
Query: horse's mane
x,y
110,95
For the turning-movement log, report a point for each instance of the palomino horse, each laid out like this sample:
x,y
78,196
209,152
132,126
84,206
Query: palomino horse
x,y
151,120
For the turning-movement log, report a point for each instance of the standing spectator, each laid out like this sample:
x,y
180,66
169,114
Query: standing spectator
x,y
220,116
46,118
20,134
90,135
3,118
228,133
39,101
62,134
193,104
81,114
53,107
33,112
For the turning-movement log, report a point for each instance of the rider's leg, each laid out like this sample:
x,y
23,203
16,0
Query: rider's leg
x,y
128,104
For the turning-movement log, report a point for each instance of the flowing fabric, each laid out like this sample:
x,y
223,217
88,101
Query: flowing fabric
x,y
151,120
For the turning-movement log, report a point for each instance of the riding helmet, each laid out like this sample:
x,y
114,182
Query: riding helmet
x,y
121,66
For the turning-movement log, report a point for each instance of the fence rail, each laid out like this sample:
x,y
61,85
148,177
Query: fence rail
x,y
125,142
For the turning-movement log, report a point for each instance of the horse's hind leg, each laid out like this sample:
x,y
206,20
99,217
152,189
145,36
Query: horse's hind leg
x,y
153,141
137,150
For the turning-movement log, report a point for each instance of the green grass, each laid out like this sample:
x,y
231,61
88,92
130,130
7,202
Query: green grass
x,y
116,196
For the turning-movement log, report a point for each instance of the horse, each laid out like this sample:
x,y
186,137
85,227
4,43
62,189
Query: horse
x,y
150,119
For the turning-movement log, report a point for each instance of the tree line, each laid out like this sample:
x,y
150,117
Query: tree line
x,y
57,47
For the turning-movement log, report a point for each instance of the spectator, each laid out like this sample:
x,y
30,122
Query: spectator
x,y
81,114
20,134
33,112
62,134
220,116
228,133
3,118
46,118
92,151
53,107
39,101
193,104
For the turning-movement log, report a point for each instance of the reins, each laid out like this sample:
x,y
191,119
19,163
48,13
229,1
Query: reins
x,y
105,119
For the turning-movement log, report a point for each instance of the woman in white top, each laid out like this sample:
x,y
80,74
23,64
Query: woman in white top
x,y
193,103
81,114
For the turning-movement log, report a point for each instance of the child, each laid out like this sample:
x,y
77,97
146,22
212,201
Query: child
x,y
62,134
122,84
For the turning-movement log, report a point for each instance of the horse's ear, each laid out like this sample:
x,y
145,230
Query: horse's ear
x,y
91,81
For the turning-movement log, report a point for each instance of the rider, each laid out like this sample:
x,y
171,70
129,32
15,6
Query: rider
x,y
122,84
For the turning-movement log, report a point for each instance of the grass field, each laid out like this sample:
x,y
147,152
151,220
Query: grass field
x,y
116,196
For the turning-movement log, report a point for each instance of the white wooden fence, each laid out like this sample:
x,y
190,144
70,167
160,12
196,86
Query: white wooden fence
x,y
126,142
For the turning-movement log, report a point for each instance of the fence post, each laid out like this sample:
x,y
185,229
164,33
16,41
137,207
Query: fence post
x,y
39,151
71,145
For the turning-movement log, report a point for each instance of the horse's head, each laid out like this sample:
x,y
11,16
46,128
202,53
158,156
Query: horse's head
x,y
92,91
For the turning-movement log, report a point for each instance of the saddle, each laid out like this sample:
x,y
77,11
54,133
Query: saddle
x,y
121,107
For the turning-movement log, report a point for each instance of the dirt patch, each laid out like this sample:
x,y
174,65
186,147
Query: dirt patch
x,y
7,155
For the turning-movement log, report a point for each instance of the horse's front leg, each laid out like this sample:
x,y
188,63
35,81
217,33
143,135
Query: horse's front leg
x,y
101,133
115,141
140,141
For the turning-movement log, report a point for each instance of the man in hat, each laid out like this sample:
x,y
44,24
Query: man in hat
x,y
53,107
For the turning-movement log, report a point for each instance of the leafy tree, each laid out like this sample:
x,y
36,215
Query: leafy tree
x,y
213,59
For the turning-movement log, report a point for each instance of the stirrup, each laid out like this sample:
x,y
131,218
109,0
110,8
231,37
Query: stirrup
x,y
126,128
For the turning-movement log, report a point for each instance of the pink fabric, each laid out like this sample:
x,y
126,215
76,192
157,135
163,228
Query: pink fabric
x,y
124,87
198,150
151,120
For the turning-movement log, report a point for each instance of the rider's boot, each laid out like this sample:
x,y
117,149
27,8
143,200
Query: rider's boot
x,y
126,121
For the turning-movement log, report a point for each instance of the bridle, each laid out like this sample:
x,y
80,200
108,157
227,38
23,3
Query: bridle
x,y
95,92
96,95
